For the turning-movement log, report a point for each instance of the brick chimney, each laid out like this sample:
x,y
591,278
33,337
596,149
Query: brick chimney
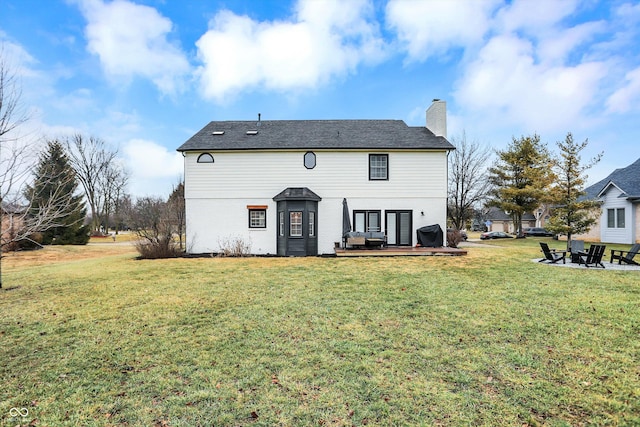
x,y
437,118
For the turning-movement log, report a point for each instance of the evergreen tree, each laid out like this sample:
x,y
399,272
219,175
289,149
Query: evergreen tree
x,y
572,214
521,178
55,187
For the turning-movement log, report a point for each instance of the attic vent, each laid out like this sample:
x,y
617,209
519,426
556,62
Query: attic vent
x,y
217,132
252,132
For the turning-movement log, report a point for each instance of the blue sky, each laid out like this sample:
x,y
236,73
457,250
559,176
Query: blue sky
x,y
144,75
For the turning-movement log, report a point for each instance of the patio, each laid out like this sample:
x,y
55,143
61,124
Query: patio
x,y
400,251
607,266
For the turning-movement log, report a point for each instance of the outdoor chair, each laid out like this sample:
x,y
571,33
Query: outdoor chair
x,y
628,258
551,255
593,257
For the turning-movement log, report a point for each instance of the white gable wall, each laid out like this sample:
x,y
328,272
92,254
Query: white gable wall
x,y
217,195
612,200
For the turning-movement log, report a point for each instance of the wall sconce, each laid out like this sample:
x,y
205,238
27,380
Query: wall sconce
x,y
422,213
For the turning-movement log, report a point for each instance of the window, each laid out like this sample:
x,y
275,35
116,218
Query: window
x,y
620,218
295,224
611,218
378,167
616,218
366,221
257,218
309,160
281,223
312,224
205,158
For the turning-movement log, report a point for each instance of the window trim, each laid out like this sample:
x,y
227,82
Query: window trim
x,y
203,158
312,224
367,214
619,217
309,160
386,175
281,223
257,209
614,217
299,224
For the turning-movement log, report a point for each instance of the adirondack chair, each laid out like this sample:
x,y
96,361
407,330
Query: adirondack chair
x,y
593,257
551,255
628,258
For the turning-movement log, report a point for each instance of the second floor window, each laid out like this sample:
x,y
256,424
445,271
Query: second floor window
x,y
378,167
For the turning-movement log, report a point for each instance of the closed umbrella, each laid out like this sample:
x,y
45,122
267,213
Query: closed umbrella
x,y
346,220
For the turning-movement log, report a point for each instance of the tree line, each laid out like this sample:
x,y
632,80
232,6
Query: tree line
x,y
73,188
524,177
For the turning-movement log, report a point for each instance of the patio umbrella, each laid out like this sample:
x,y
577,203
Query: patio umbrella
x,y
346,221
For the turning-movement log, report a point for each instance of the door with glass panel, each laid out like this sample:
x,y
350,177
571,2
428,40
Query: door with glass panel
x,y
398,226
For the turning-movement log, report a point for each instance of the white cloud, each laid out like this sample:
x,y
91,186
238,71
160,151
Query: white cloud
x,y
533,17
153,168
132,40
627,97
505,82
433,27
323,40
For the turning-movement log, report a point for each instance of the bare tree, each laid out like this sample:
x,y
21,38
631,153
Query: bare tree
x,y
153,223
112,183
91,160
468,179
20,219
176,208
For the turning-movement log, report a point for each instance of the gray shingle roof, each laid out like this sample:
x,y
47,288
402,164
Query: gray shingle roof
x,y
627,179
497,214
314,134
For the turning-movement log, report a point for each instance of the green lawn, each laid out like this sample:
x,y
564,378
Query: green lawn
x,y
93,337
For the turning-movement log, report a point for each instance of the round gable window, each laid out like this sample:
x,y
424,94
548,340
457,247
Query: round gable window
x,y
205,158
309,160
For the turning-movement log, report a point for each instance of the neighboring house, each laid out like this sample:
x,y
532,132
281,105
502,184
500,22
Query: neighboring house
x,y
279,185
11,224
619,219
498,220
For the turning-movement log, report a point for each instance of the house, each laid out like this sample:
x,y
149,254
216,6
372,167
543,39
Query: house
x,y
12,222
495,219
619,219
279,186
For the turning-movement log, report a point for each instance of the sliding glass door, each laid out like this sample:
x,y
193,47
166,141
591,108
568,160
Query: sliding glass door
x,y
398,228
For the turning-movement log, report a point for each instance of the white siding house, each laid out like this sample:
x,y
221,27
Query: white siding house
x,y
279,185
619,219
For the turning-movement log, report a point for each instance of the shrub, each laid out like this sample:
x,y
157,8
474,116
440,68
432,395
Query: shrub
x,y
454,237
158,247
234,247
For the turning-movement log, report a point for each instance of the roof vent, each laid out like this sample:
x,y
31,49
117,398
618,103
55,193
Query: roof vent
x,y
252,132
217,132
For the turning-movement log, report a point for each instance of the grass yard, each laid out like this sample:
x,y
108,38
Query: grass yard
x,y
90,336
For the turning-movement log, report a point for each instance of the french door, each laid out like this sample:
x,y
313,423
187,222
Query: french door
x,y
398,228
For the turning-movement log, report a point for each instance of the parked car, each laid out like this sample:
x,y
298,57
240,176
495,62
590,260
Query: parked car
x,y
495,235
537,231
463,233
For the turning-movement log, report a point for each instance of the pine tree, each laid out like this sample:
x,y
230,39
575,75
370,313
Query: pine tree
x,y
54,188
521,178
572,214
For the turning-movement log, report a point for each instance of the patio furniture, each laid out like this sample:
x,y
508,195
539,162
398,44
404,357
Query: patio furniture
x,y
368,238
577,246
593,257
551,255
628,258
